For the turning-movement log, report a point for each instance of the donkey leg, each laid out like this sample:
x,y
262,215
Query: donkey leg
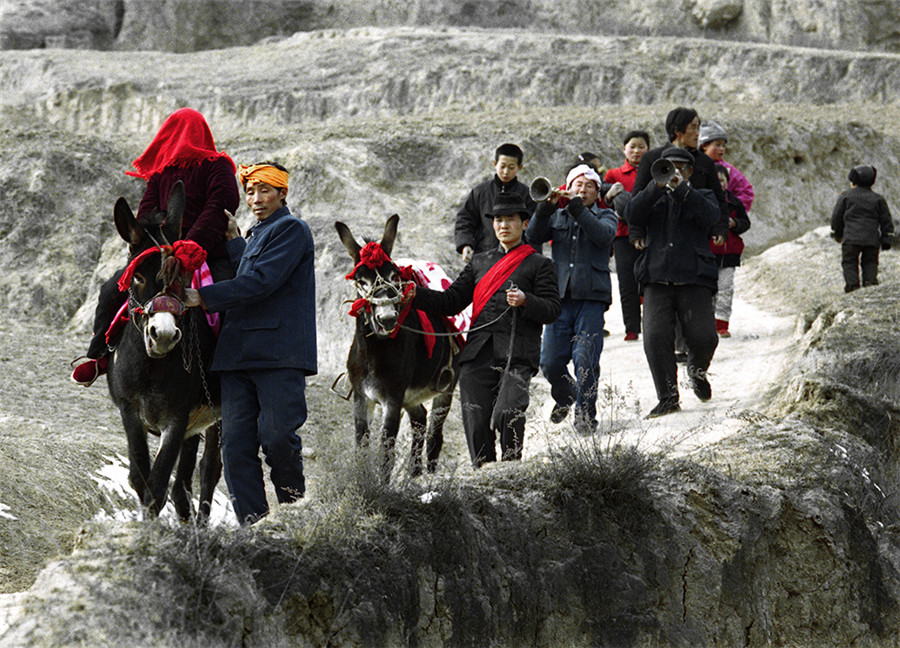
x,y
138,453
210,470
184,473
440,408
361,417
390,426
170,444
418,417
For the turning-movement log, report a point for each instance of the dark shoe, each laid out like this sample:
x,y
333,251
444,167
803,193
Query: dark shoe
x,y
665,406
585,427
86,370
681,358
631,336
700,384
559,413
606,333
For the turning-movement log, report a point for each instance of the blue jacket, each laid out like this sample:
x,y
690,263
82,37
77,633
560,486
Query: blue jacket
x,y
676,226
270,318
581,237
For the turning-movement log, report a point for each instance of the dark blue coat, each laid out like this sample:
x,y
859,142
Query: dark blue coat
x,y
581,242
270,305
675,226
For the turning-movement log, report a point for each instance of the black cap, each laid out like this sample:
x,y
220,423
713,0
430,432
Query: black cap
x,y
506,204
678,154
863,175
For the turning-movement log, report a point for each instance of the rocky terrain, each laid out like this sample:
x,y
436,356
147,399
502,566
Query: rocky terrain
x,y
782,532
190,25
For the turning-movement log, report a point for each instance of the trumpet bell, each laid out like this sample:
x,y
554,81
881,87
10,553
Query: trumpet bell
x,y
540,189
662,170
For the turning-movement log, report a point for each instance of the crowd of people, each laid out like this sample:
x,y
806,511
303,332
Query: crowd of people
x,y
670,218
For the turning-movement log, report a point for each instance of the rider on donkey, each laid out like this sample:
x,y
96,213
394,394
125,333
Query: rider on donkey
x,y
184,150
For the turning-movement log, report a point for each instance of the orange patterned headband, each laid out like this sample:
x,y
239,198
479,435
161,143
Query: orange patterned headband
x,y
250,175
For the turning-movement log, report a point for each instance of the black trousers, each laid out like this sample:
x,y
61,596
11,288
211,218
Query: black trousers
x,y
110,300
629,290
690,305
481,397
855,257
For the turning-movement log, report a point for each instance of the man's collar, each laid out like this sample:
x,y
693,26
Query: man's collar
x,y
504,251
278,214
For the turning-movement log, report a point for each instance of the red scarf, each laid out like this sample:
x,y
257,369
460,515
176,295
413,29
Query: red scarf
x,y
492,281
182,140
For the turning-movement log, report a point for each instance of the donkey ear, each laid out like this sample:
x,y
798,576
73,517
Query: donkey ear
x,y
174,212
126,223
390,233
347,239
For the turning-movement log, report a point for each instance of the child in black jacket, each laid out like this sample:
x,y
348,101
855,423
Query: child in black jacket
x,y
861,222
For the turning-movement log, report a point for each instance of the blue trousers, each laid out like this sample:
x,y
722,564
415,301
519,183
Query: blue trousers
x,y
577,335
262,408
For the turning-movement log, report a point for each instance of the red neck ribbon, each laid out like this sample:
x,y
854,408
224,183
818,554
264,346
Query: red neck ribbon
x,y
373,257
188,252
494,279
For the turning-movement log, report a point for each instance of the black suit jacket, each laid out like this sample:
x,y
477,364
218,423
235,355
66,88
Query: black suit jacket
x,y
535,276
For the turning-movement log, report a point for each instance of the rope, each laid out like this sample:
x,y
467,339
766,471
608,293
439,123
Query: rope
x,y
454,334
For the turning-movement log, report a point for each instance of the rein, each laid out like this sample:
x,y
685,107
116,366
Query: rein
x,y
189,254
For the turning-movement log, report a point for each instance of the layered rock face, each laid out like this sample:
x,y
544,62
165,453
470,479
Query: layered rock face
x,y
189,25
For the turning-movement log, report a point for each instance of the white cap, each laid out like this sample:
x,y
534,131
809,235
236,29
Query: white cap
x,y
582,170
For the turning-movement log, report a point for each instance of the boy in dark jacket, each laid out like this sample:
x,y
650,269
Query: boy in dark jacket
x,y
861,222
728,254
473,231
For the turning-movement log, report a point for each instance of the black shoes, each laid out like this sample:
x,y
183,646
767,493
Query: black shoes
x,y
559,413
700,384
665,406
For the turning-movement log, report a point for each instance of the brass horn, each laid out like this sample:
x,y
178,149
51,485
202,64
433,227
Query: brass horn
x,y
662,170
540,189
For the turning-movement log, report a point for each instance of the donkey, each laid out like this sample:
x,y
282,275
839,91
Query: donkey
x,y
392,366
158,373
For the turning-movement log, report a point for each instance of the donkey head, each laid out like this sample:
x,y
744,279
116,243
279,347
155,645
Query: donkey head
x,y
153,297
376,277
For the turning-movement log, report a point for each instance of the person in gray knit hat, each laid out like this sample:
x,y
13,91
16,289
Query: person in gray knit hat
x,y
712,141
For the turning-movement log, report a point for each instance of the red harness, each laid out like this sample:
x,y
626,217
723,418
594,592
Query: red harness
x,y
373,256
189,253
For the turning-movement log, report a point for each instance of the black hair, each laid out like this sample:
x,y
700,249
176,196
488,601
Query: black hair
x,y
509,150
721,168
585,158
863,175
271,164
677,121
644,135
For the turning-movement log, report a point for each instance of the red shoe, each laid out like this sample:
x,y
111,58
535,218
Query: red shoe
x,y
631,336
722,328
86,370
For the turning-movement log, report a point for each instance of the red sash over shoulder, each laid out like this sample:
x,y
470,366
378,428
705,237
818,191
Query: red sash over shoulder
x,y
494,279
